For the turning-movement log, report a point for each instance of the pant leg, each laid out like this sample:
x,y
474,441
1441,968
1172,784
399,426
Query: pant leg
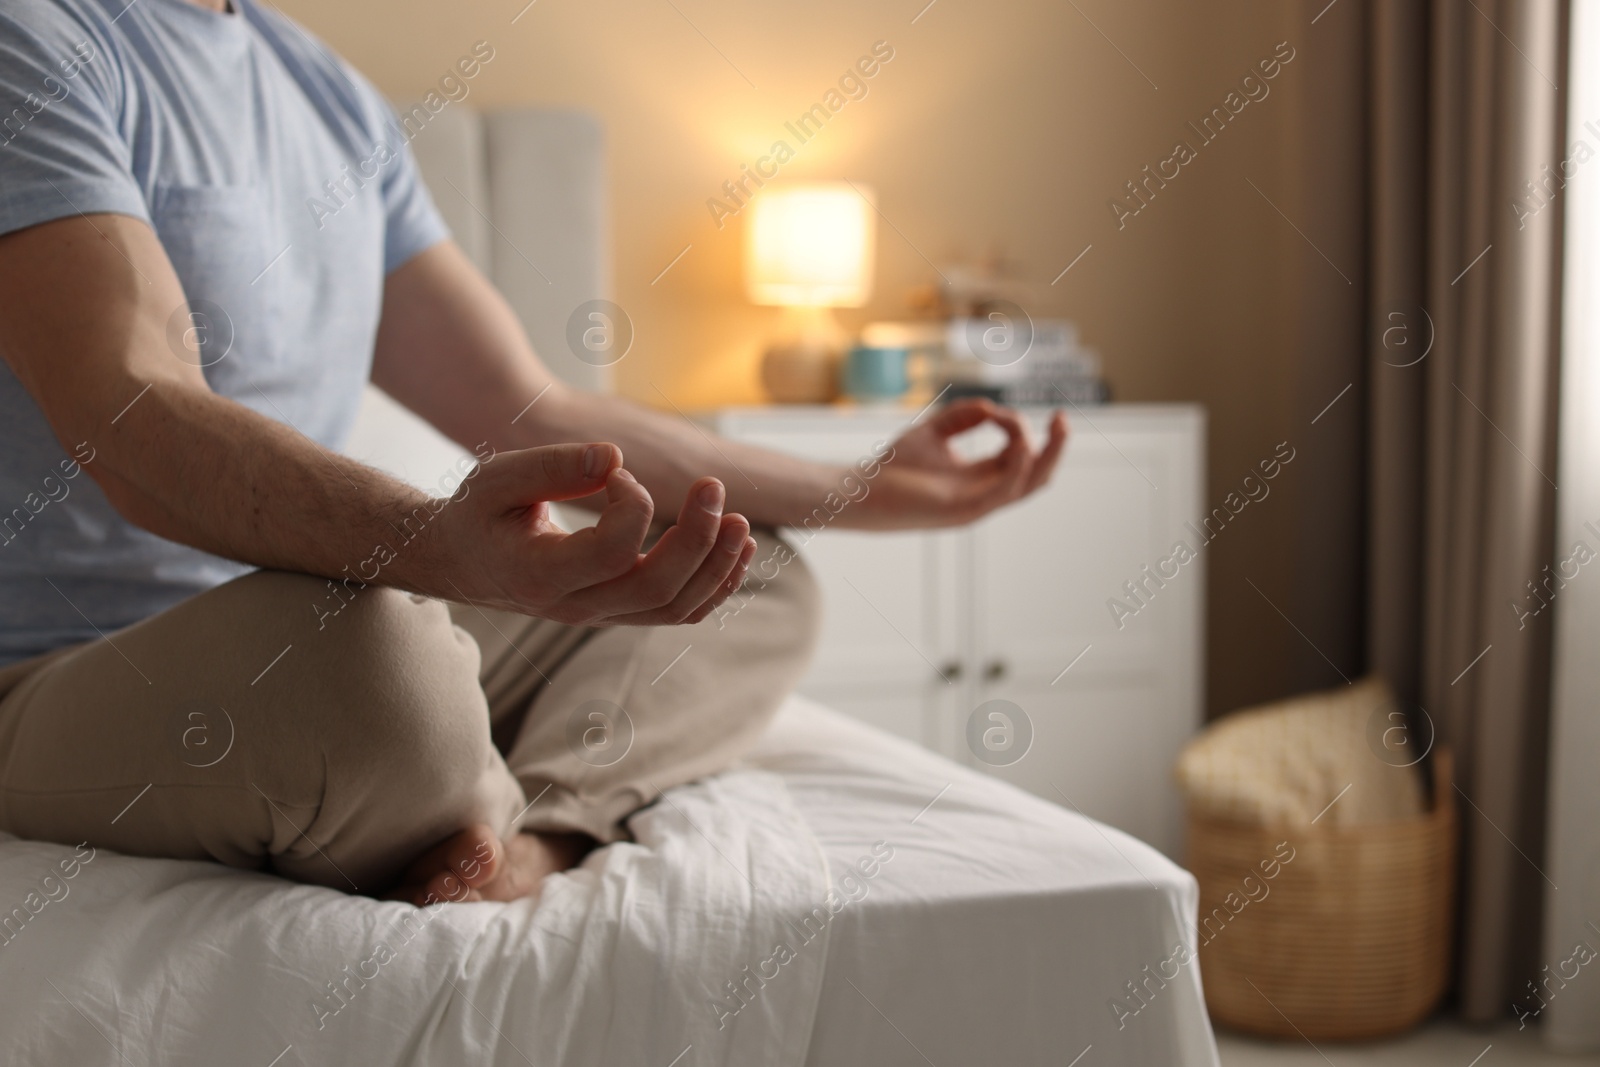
x,y
253,726
595,723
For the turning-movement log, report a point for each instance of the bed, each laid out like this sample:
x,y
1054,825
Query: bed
x,y
841,898
932,915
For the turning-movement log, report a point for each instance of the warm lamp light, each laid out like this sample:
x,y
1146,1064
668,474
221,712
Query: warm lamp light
x,y
808,248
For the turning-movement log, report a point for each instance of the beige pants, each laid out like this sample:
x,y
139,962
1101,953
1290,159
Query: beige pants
x,y
254,725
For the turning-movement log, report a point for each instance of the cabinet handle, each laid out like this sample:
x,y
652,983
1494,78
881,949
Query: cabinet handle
x,y
994,670
950,669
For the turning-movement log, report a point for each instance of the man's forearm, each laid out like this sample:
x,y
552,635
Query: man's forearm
x,y
667,452
196,468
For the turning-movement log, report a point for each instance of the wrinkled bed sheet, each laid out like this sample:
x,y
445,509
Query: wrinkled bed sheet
x,y
842,899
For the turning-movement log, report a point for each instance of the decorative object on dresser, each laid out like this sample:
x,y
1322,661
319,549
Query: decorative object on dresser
x,y
876,375
994,644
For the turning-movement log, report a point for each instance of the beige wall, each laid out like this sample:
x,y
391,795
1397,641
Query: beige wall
x,y
1001,127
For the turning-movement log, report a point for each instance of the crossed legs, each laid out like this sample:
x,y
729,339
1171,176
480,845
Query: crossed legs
x,y
396,742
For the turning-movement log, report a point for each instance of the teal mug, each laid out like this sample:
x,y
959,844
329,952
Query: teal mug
x,y
876,374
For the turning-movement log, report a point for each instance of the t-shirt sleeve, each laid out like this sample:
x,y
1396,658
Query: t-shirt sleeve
x,y
62,149
412,222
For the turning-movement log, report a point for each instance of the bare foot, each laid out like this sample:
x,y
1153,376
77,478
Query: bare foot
x,y
476,865
528,857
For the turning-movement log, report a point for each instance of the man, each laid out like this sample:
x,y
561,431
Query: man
x,y
230,641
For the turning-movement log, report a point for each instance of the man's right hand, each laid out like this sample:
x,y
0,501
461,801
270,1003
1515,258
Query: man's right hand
x,y
496,545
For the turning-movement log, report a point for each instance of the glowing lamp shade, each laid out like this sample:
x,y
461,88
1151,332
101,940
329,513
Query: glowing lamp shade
x,y
810,246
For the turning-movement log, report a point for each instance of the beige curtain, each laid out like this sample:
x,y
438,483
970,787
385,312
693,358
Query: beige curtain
x,y
1465,107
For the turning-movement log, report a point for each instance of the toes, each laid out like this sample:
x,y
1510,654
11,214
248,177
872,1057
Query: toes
x,y
467,861
448,887
454,869
476,865
474,855
530,858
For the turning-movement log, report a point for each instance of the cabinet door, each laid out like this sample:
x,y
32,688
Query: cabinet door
x,y
1046,570
1109,698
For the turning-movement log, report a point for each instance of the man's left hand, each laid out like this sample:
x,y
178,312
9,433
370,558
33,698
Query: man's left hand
x,y
926,483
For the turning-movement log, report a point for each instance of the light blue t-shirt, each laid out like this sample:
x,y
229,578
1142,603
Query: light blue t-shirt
x,y
283,192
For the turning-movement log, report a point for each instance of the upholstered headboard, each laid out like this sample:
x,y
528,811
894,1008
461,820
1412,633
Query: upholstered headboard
x,y
524,192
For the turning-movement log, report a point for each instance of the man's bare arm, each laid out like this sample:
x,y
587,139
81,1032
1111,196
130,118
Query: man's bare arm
x,y
450,349
84,311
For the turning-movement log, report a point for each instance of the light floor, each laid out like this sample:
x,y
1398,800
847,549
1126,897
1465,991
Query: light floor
x,y
1438,1044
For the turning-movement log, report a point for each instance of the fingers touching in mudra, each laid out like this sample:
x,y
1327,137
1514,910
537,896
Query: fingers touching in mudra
x,y
929,483
513,556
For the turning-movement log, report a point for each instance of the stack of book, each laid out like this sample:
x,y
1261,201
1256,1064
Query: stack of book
x,y
1010,359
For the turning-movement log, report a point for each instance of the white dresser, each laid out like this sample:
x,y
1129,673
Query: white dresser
x,y
996,644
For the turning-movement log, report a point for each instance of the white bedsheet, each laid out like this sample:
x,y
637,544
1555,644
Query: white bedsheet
x,y
954,920
142,962
1004,927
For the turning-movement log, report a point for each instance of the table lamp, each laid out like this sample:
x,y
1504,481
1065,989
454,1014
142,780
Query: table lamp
x,y
808,249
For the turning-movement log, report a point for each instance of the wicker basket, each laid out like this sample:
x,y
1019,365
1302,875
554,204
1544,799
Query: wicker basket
x,y
1351,937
